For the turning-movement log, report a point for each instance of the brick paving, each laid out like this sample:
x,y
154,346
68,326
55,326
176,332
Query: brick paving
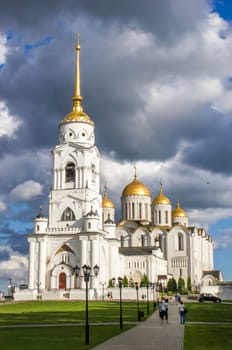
x,y
150,335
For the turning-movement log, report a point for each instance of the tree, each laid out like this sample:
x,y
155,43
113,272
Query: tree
x,y
110,285
125,281
172,285
181,285
144,281
189,284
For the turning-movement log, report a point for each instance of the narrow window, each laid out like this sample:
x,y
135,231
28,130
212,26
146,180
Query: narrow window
x,y
180,242
159,217
93,169
143,241
140,210
133,210
70,172
166,216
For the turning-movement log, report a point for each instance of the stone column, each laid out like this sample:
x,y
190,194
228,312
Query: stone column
x,y
32,276
94,260
42,263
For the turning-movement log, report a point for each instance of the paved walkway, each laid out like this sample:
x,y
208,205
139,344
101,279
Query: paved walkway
x,y
150,335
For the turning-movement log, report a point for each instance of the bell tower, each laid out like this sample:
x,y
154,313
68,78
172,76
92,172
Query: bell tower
x,y
76,162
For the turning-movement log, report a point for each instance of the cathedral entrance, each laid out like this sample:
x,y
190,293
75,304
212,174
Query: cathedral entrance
x,y
62,280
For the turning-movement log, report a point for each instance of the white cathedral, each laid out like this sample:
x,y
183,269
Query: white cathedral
x,y
151,239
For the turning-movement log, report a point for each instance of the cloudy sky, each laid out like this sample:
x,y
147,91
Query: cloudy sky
x,y
156,77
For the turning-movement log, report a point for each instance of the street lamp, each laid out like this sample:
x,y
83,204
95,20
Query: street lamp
x,y
102,284
120,293
153,294
38,291
87,274
137,292
148,299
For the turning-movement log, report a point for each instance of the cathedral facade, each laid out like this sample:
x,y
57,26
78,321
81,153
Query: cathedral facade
x,y
151,239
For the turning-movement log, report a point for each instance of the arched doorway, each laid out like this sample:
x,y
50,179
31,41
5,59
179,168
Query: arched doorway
x,y
62,280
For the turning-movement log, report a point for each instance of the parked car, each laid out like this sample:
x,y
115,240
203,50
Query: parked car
x,y
209,297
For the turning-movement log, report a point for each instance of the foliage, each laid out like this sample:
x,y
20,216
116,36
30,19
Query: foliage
x,y
125,281
172,285
145,280
181,285
110,284
189,284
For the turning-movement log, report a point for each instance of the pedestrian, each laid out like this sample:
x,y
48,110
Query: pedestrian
x,y
182,313
166,311
161,315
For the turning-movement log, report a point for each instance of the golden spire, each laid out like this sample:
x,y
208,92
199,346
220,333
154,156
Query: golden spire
x,y
77,114
161,186
135,171
105,190
77,98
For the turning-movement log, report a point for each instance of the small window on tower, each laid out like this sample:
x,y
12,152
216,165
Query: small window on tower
x,y
70,172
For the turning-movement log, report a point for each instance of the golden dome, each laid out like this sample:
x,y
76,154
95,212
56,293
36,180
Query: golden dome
x,y
106,202
161,199
136,188
77,116
178,212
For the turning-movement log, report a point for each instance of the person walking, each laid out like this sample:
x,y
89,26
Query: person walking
x,y
166,310
160,310
182,312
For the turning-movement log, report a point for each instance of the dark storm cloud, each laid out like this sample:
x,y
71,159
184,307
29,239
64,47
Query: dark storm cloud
x,y
4,255
212,153
12,238
160,16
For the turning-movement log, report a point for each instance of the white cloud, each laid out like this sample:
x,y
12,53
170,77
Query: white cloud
x,y
8,123
26,191
2,206
3,49
15,268
224,238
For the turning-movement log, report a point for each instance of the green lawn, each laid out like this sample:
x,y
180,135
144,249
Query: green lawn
x,y
68,312
208,336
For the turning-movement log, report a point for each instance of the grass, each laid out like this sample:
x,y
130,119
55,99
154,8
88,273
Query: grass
x,y
57,313
208,336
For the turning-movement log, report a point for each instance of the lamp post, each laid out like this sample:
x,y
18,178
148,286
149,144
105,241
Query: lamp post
x,y
87,274
120,294
137,292
102,284
153,294
38,291
148,310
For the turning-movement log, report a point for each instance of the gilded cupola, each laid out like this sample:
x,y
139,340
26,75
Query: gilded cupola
x,y
106,202
161,198
136,188
77,114
179,212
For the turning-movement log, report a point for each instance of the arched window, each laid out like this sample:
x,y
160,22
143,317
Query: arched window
x,y
122,241
180,241
140,210
70,172
159,217
68,215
